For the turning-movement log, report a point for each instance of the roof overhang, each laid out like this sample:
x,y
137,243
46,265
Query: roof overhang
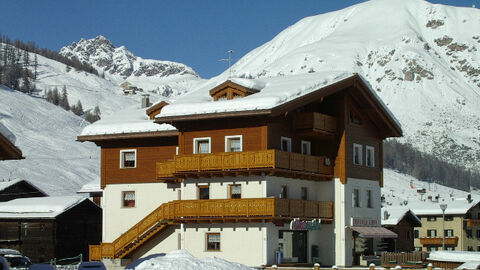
x,y
374,232
122,136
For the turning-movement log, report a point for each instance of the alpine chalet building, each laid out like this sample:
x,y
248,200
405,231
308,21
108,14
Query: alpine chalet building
x,y
256,171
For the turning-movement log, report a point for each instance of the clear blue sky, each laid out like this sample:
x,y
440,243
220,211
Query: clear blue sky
x,y
195,32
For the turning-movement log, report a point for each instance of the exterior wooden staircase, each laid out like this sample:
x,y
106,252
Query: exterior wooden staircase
x,y
226,210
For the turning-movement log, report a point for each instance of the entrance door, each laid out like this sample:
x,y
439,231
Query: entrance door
x,y
293,245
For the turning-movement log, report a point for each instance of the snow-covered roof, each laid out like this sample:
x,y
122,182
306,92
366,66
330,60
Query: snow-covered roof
x,y
273,92
470,265
454,256
455,206
395,215
129,120
7,134
93,186
38,207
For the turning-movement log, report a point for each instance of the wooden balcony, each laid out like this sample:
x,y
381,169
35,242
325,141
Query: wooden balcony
x,y
314,124
437,241
472,222
221,210
274,162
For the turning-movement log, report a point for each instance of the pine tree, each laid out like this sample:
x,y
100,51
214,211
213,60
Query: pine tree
x,y
26,59
77,109
93,116
35,65
64,99
55,96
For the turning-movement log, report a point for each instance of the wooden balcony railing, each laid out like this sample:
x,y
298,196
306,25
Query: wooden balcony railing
x,y
197,210
472,222
249,160
315,121
437,241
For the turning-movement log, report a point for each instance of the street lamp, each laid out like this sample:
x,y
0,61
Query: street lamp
x,y
443,207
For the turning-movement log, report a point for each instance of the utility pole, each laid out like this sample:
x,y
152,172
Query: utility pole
x,y
443,207
229,59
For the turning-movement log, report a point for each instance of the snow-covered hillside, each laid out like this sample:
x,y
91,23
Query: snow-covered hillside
x,y
120,65
54,161
423,60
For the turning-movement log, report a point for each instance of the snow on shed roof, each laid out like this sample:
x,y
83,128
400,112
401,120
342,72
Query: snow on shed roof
x,y
38,207
395,215
129,120
93,186
454,256
7,133
6,184
455,206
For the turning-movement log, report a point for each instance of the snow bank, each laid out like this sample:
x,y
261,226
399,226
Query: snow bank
x,y
182,259
454,256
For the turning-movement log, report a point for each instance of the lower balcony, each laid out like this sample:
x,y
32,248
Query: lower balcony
x,y
273,162
472,222
438,241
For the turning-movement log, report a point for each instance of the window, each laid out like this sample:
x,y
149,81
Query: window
x,y
213,242
203,192
306,148
448,233
356,197
432,248
448,218
409,235
283,192
233,143
370,152
431,218
369,199
286,144
304,193
201,145
417,249
357,154
469,248
128,199
128,158
235,191
469,233
416,234
432,233
478,215
450,248
478,233
354,118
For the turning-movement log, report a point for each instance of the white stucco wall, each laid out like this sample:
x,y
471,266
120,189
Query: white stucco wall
x,y
118,219
252,187
317,191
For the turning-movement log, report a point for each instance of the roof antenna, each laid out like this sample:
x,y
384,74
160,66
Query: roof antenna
x,y
230,52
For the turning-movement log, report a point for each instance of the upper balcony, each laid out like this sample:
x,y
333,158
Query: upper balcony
x,y
437,241
313,124
472,222
272,162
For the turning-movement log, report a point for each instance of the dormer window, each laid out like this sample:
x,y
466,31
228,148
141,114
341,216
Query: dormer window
x,y
230,90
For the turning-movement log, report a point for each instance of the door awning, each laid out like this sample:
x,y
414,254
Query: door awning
x,y
374,232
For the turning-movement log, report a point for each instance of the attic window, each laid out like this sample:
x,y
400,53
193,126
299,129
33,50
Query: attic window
x,y
354,119
230,90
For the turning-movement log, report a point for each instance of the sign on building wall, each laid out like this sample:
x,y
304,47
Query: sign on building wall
x,y
302,225
366,222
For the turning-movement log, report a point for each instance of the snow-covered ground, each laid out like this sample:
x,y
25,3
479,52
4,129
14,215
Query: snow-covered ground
x,y
182,259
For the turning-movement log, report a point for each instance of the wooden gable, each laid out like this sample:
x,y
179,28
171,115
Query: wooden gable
x,y
155,109
230,90
8,150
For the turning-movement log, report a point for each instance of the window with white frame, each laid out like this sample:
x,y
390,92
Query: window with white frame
x,y
235,191
432,233
233,143
128,199
448,233
306,148
370,156
285,144
202,145
356,197
357,154
128,158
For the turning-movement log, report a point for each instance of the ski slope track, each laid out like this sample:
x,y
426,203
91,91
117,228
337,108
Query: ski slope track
x,y
422,59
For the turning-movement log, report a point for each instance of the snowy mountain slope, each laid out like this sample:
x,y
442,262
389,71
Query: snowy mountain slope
x,y
120,65
46,134
423,60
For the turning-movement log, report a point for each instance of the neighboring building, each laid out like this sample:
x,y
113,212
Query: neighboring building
x,y
401,221
45,228
16,189
462,224
93,190
8,150
225,170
